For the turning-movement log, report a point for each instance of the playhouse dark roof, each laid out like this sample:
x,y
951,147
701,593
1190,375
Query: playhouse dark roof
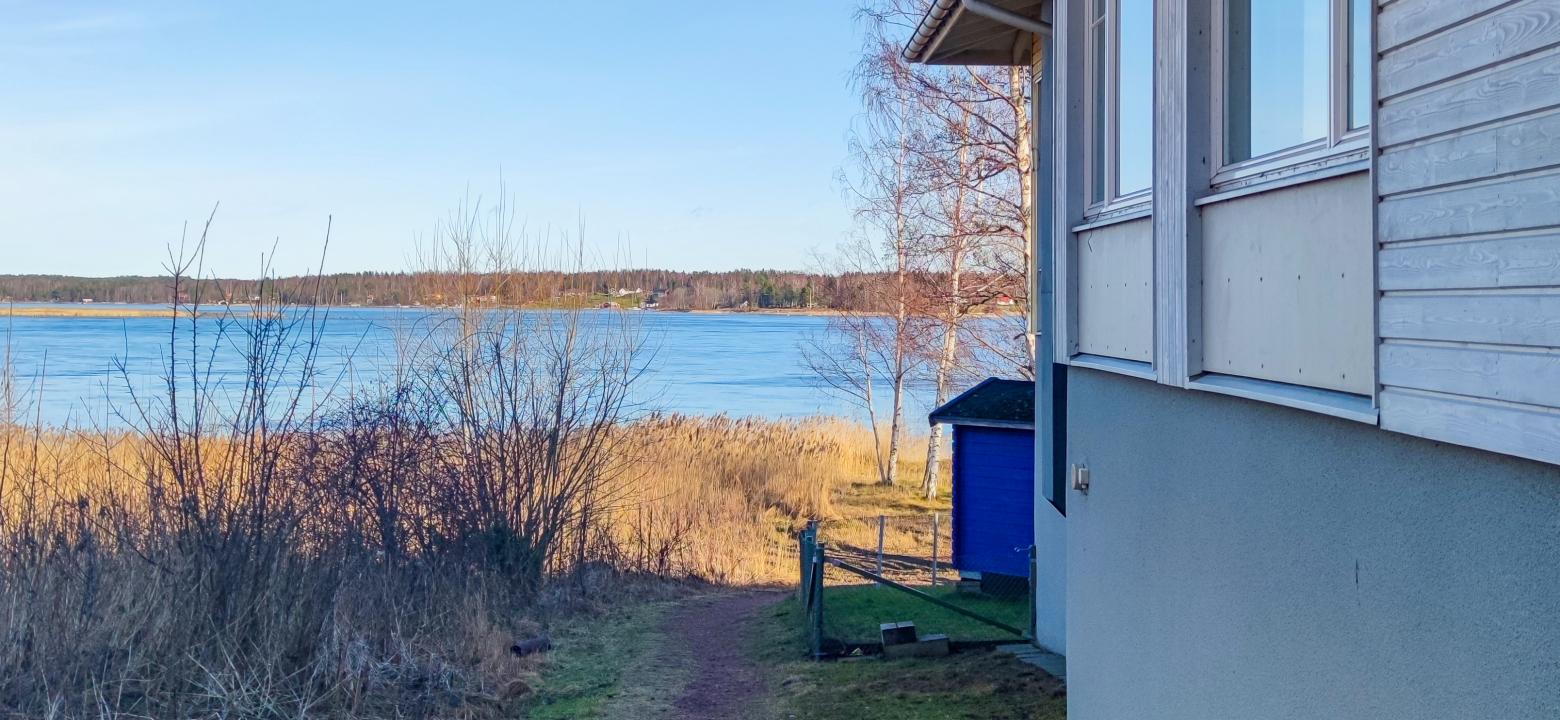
x,y
994,403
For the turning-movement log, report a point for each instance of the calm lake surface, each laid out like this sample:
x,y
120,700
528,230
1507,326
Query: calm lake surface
x,y
703,364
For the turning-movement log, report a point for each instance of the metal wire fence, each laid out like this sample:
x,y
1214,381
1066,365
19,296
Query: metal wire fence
x,y
857,574
909,548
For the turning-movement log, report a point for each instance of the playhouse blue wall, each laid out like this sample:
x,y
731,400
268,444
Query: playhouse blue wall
x,y
993,499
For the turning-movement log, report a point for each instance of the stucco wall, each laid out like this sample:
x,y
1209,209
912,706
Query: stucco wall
x,y
1235,559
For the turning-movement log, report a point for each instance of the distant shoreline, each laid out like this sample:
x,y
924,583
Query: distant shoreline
x,y
84,311
115,311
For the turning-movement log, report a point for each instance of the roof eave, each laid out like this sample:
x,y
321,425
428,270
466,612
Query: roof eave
x,y
946,17
929,33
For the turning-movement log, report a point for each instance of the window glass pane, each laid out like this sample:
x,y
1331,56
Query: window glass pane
x,y
1097,123
1276,75
1135,98
1359,63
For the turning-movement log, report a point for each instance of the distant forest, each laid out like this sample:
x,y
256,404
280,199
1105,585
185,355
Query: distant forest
x,y
672,290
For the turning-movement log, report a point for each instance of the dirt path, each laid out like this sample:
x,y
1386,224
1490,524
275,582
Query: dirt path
x,y
701,671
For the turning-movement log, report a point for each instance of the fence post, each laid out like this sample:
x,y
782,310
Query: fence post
x,y
881,522
1033,586
801,571
806,540
815,604
936,531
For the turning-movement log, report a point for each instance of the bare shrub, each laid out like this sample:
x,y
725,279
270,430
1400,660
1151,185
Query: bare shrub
x,y
268,541
261,543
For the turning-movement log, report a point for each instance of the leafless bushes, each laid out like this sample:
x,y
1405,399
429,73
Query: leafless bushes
x,y
268,542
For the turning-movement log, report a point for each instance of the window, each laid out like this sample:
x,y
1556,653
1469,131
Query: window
x,y
1121,100
1359,64
1296,76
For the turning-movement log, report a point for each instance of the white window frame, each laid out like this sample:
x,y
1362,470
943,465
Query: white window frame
x,y
1341,146
1114,204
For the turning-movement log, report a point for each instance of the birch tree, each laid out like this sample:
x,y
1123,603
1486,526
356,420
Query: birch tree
x,y
992,106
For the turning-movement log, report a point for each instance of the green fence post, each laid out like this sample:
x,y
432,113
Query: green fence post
x,y
816,605
801,556
806,540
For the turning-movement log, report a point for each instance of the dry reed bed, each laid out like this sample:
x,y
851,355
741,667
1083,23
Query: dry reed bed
x,y
118,599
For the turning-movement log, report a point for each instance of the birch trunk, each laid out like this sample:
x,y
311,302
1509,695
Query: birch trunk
x,y
945,360
901,349
955,310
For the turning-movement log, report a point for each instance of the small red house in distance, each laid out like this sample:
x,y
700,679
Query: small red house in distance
x,y
993,481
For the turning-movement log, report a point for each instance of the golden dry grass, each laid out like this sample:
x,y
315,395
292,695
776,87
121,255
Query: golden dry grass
x,y
734,492
711,499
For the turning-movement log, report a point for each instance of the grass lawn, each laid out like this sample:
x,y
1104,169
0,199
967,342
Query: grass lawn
x,y
853,613
610,666
584,673
980,684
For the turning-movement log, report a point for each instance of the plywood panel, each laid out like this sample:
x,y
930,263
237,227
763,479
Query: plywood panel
x,y
1504,318
1528,143
1493,262
1531,377
1115,291
1529,201
1532,83
1287,286
1525,431
1400,22
1507,32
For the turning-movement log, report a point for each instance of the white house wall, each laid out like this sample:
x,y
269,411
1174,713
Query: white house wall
x,y
1287,285
1115,291
1468,130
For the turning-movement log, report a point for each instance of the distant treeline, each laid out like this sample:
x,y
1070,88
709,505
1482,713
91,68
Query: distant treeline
x,y
670,289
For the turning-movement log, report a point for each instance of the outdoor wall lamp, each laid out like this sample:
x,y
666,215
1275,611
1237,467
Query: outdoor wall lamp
x,y
1080,478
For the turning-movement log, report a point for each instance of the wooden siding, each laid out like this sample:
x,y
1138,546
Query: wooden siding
x,y
1285,275
1116,291
1066,160
1468,221
1182,75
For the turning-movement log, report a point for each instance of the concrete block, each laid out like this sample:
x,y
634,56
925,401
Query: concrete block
x,y
897,633
929,646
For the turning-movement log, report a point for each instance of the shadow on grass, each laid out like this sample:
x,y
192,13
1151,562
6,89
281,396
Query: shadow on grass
x,y
976,684
584,675
852,613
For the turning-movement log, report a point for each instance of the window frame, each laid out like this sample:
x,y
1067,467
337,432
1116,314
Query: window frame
x,y
1114,203
1341,145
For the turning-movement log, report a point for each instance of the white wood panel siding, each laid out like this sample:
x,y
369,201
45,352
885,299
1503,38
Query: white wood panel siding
x,y
1501,261
1512,30
1462,103
1067,147
1116,291
1401,22
1468,220
1181,139
1284,276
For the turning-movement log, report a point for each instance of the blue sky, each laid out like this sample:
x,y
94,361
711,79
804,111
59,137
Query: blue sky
x,y
701,135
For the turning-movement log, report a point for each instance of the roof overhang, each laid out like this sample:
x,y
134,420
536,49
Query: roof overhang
x,y
994,402
977,32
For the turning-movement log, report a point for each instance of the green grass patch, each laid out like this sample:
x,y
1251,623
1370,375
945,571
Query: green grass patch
x,y
853,613
979,684
584,673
